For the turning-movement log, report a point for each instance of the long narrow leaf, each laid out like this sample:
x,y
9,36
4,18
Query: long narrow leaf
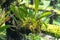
x,y
36,5
45,14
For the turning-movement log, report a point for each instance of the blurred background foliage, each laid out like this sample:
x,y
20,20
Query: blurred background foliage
x,y
38,13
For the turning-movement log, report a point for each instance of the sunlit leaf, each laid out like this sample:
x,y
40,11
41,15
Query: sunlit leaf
x,y
45,14
36,5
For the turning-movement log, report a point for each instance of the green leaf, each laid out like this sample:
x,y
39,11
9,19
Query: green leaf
x,y
4,27
45,14
31,13
23,12
36,5
15,10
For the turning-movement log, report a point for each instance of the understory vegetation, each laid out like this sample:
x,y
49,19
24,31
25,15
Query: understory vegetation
x,y
27,19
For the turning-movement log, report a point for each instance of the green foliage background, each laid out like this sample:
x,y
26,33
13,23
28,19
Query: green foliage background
x,y
34,16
